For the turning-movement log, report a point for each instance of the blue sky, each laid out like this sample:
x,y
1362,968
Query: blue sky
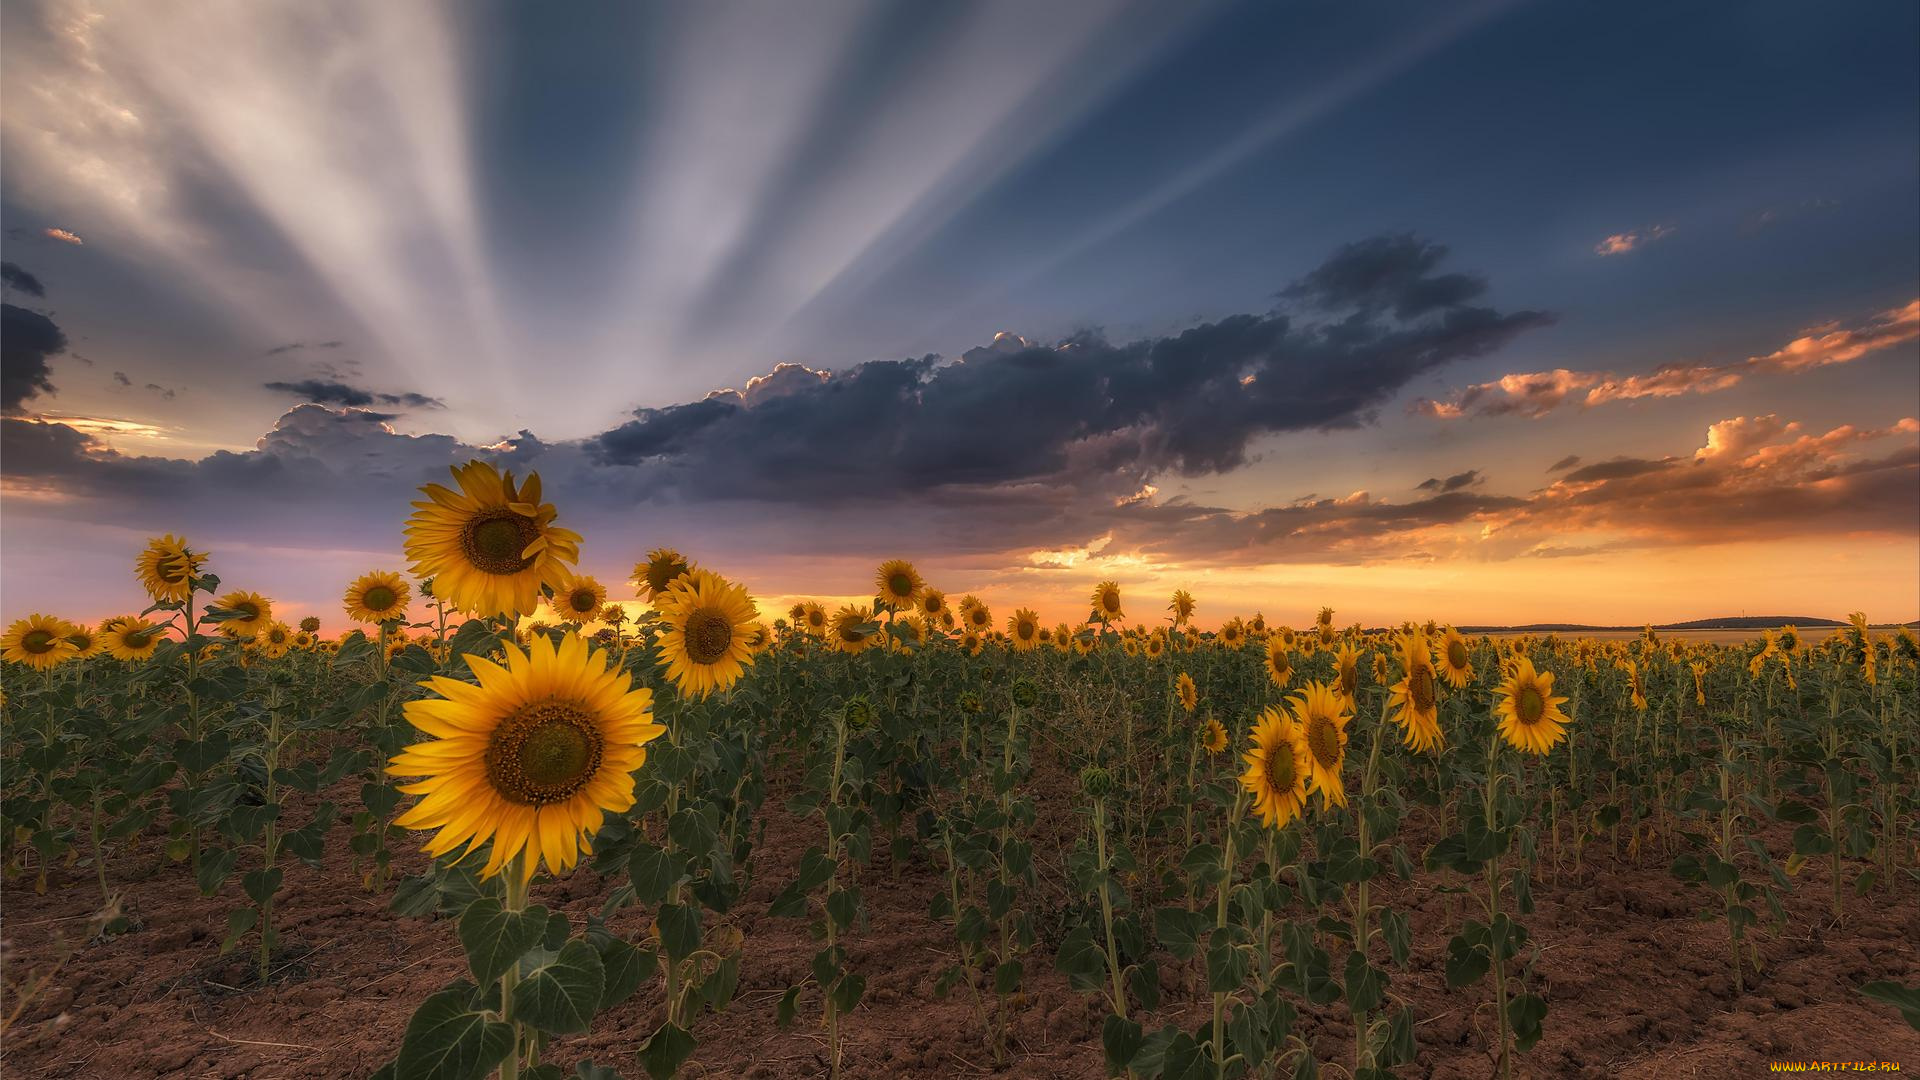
x,y
487,223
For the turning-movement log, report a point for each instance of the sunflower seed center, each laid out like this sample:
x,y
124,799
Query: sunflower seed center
x,y
544,753
1530,706
378,599
709,635
494,539
1323,739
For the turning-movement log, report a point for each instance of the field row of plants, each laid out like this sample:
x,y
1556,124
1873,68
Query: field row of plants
x,y
1245,794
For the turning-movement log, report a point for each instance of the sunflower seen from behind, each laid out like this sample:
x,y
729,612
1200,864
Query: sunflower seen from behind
x,y
42,642
530,757
1529,713
706,623
1277,768
491,547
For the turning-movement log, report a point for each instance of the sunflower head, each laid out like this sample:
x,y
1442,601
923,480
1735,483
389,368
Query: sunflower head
x,y
167,568
41,642
1155,646
1024,629
530,759
131,638
1454,658
581,601
1414,699
898,584
491,547
1529,713
1106,601
1279,661
1213,736
378,596
1277,769
1188,694
274,639
1321,713
1181,606
812,619
851,629
933,603
971,642
706,626
1347,671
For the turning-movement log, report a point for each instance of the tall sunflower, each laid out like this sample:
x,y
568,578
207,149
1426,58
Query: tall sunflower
x,y
531,759
1454,659
377,596
898,584
250,613
167,568
847,629
1024,629
1530,716
86,642
274,639
1321,713
705,624
1279,661
131,638
581,601
933,604
1182,607
1277,768
1232,635
1414,699
976,615
492,546
1106,601
38,641
1324,622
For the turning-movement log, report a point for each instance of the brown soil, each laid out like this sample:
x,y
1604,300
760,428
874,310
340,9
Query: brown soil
x,y
1637,984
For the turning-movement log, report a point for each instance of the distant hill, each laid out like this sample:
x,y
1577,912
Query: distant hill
x,y
1732,622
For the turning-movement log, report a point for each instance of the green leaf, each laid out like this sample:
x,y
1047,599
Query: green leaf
x,y
655,872
1904,998
215,865
1366,984
1080,959
446,1040
679,926
789,1004
666,1050
847,992
562,995
1524,1014
262,884
496,939
1466,963
239,921
1006,977
1121,1038
1179,930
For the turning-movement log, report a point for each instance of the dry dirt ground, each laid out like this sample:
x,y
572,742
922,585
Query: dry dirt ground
x,y
1636,982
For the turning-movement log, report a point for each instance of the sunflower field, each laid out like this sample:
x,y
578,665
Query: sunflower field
x,y
539,832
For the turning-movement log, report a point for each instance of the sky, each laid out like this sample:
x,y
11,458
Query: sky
x,y
1496,312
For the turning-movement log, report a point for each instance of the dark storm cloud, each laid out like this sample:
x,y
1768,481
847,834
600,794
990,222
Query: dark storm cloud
x,y
1618,468
330,392
28,340
16,278
1084,411
1567,462
1451,483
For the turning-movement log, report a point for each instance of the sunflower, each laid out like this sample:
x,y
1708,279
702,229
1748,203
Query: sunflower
x,y
1324,621
1530,716
1277,769
1699,684
1062,637
581,601
38,641
167,568
251,613
1024,629
1182,607
377,596
532,759
812,619
311,624
303,640
131,638
705,623
1156,645
1083,642
1321,713
1279,661
933,604
913,631
898,584
1453,659
1232,634
1130,646
759,638
1213,737
492,546
274,639
1106,601
847,631
1413,698
1639,699
976,614
1346,664
86,643
663,567
971,642
1188,694
397,645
